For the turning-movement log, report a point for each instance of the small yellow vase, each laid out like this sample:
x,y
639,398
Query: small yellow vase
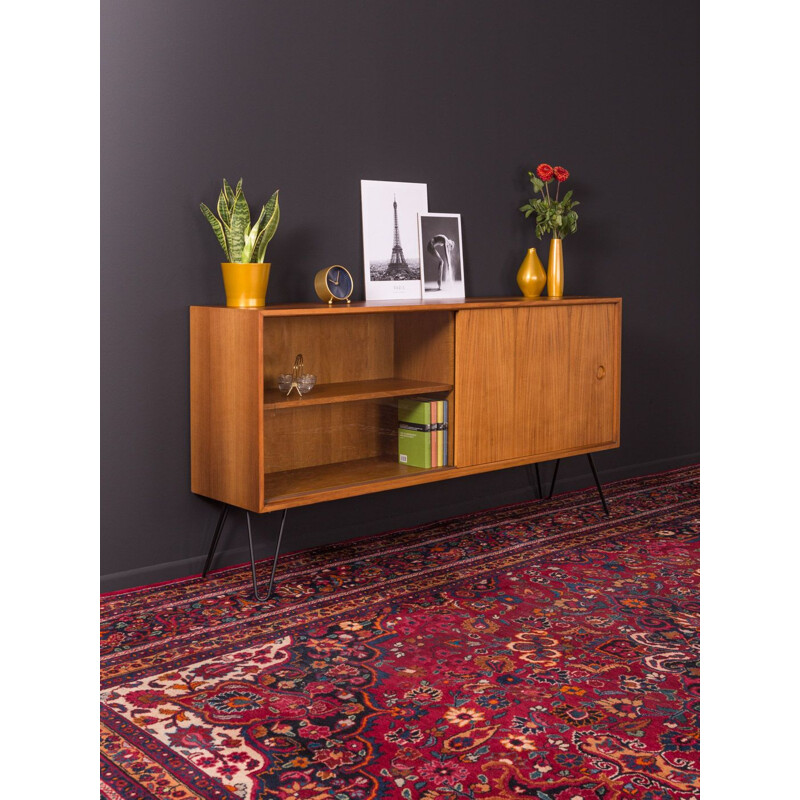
x,y
555,270
530,276
245,284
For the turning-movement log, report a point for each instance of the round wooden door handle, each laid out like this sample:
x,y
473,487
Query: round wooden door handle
x,y
601,371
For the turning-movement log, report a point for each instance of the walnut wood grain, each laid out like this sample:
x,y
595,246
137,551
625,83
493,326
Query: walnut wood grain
x,y
336,349
284,490
352,391
527,380
412,306
325,434
567,397
424,346
535,380
485,427
226,398
338,480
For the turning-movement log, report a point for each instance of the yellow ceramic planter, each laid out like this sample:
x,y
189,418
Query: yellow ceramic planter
x,y
530,276
555,270
245,284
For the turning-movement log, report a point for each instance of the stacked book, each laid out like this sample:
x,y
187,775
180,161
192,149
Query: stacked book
x,y
422,432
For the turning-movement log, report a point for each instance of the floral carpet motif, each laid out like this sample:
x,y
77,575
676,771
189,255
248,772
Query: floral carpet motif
x,y
540,650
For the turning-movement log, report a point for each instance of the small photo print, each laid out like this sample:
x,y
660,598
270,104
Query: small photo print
x,y
442,256
389,212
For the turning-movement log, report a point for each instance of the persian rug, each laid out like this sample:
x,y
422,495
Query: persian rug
x,y
539,650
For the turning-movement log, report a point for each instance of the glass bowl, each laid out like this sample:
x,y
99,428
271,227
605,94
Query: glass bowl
x,y
305,383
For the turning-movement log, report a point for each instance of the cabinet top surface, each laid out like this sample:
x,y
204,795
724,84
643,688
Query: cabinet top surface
x,y
376,306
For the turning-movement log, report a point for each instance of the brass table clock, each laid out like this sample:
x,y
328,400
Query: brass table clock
x,y
333,283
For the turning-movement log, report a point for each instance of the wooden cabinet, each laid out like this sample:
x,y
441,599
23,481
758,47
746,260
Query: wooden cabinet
x,y
525,380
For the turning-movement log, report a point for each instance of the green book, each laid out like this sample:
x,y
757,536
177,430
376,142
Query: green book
x,y
413,412
414,447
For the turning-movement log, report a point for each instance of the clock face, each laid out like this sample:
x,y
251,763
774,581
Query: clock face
x,y
339,282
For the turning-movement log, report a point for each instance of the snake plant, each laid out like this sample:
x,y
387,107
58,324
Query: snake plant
x,y
242,242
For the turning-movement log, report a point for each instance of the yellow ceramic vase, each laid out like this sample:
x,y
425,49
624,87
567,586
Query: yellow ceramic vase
x,y
555,270
245,285
530,276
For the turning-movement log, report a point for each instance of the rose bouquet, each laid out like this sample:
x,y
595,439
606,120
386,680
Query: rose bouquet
x,y
552,215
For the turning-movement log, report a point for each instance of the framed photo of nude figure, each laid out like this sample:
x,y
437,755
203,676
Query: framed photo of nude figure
x,y
442,259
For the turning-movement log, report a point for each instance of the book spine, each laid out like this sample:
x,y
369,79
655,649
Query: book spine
x,y
434,433
446,451
440,436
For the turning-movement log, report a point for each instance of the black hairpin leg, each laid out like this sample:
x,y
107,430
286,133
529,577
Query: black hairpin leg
x,y
597,482
538,480
274,560
220,524
553,482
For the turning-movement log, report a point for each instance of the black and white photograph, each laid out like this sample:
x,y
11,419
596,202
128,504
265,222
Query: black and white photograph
x,y
442,256
389,212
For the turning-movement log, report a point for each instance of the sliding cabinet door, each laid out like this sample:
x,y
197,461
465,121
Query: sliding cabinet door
x,y
536,381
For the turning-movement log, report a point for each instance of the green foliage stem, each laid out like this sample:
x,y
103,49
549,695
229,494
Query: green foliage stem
x,y
553,216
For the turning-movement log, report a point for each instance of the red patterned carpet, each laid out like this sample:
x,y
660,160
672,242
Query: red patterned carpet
x,y
539,650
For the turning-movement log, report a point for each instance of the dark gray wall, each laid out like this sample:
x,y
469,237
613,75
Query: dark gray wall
x,y
311,97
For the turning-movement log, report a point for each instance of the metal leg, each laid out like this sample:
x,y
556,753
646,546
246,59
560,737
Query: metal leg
x,y
553,482
539,495
274,560
215,541
597,481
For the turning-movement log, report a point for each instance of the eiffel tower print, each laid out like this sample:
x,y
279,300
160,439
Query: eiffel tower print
x,y
398,269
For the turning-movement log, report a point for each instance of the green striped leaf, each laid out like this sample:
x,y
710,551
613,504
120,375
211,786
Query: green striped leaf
x,y
224,208
272,214
229,193
217,226
251,238
240,220
249,246
261,218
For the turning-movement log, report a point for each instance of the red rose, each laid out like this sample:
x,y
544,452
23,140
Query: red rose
x,y
561,174
545,172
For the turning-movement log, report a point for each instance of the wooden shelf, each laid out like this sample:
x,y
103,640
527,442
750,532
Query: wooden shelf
x,y
344,479
352,391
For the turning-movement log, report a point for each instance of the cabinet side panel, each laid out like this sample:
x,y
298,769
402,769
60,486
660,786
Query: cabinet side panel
x,y
617,345
226,405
